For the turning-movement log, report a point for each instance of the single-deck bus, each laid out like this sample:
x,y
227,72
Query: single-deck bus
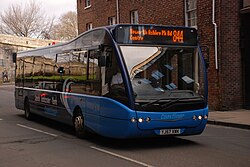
x,y
120,81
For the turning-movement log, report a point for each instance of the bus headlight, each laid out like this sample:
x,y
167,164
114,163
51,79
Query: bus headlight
x,y
200,117
140,120
205,117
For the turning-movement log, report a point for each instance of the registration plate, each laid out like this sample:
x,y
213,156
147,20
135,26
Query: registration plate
x,y
170,131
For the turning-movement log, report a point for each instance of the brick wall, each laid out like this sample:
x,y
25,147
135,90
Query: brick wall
x,y
206,38
149,12
153,12
229,55
225,84
97,14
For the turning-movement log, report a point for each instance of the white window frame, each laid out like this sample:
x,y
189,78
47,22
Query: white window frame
x,y
89,26
134,17
191,21
111,20
87,4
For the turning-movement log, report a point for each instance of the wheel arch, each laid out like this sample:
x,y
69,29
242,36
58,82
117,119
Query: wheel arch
x,y
25,100
77,110
80,128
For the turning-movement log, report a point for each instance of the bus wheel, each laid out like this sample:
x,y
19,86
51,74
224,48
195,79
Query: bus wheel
x,y
28,114
79,124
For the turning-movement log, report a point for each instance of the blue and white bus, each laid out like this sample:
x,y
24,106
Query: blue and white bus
x,y
120,81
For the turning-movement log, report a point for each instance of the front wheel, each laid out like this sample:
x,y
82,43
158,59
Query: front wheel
x,y
79,125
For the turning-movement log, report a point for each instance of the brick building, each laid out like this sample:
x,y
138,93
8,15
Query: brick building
x,y
229,48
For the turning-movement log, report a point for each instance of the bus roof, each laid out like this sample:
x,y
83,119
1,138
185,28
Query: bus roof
x,y
139,34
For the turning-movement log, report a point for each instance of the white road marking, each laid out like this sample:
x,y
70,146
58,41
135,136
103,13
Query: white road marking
x,y
1,119
37,130
120,156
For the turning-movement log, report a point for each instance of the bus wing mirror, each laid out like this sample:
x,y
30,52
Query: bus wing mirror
x,y
207,63
14,55
205,52
61,70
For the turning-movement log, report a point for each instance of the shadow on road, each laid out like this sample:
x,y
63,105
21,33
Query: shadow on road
x,y
142,143
121,144
51,124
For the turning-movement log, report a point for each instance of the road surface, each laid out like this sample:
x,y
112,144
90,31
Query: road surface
x,y
43,142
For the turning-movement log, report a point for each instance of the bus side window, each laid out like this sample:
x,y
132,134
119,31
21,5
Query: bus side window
x,y
76,81
38,72
62,71
19,71
94,72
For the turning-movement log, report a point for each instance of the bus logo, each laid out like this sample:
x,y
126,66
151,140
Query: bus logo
x,y
172,116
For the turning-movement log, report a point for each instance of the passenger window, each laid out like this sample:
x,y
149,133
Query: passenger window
x,y
93,68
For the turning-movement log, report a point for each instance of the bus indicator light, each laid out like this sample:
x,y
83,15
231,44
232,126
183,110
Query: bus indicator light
x,y
148,119
43,95
133,120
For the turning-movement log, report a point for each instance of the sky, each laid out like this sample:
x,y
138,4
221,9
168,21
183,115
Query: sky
x,y
51,7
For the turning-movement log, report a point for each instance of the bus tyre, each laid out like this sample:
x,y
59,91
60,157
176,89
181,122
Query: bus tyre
x,y
28,114
79,125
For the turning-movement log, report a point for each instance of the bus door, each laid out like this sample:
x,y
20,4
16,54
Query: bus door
x,y
19,81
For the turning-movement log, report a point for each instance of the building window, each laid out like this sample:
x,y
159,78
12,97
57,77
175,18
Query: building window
x,y
191,13
111,20
2,62
87,4
89,26
134,18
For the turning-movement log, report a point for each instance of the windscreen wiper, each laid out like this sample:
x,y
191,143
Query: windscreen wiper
x,y
153,102
169,103
172,102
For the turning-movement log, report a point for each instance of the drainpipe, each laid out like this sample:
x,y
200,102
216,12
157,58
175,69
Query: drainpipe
x,y
117,12
215,37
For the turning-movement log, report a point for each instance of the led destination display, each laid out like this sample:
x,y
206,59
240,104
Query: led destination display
x,y
163,35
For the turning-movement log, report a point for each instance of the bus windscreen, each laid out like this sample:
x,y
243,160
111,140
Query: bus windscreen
x,y
155,35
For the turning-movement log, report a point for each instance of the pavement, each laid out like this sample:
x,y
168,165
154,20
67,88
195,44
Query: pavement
x,y
237,118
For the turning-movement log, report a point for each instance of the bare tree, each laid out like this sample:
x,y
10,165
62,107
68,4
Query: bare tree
x,y
66,28
26,21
